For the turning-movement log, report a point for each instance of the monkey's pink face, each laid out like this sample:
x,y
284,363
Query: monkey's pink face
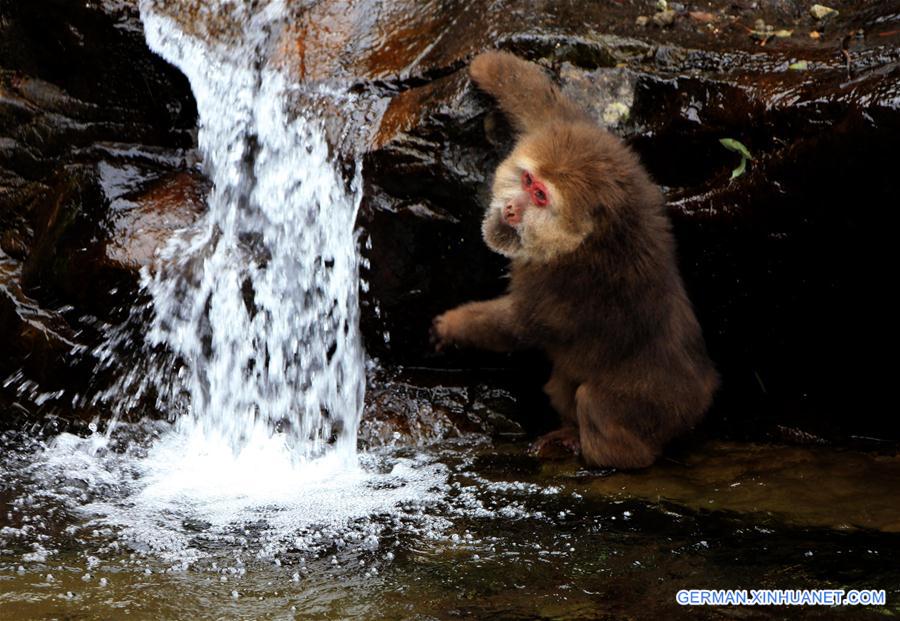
x,y
534,194
526,218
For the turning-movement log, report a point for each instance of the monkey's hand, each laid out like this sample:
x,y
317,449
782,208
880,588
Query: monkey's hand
x,y
488,325
496,72
445,330
522,89
486,69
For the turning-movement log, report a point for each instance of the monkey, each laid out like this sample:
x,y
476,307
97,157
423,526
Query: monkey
x,y
593,278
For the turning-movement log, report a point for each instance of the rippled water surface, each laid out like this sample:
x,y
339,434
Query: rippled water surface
x,y
467,529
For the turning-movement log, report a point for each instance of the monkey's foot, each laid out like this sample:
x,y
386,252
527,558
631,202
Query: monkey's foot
x,y
558,444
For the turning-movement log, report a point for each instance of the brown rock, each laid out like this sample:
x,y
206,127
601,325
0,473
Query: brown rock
x,y
702,16
173,202
664,19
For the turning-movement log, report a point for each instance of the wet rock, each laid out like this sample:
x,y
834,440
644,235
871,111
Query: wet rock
x,y
37,344
100,224
608,93
820,11
74,211
148,219
408,408
664,18
702,16
757,253
13,244
805,486
89,119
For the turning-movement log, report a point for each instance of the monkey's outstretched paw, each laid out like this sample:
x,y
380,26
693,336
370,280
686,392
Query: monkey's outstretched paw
x,y
439,335
559,444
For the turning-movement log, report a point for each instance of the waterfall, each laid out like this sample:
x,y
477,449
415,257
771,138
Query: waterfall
x,y
255,310
250,341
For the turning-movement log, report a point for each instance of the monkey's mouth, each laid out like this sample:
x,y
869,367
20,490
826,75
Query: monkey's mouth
x,y
506,238
501,236
508,232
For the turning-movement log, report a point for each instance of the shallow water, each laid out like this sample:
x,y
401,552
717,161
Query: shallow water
x,y
464,529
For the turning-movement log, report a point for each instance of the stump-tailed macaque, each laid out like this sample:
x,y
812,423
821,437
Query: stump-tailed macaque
x,y
594,281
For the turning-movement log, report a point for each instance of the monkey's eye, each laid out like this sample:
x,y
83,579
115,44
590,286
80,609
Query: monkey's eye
x,y
538,193
527,179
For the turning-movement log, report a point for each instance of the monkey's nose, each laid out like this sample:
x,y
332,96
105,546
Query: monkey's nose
x,y
511,214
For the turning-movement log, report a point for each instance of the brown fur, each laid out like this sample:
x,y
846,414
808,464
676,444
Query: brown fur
x,y
594,280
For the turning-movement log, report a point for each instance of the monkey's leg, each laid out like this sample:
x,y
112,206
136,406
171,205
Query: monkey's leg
x,y
548,445
488,325
561,391
609,428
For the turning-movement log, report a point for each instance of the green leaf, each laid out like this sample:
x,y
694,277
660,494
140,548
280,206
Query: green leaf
x,y
733,145
800,65
738,147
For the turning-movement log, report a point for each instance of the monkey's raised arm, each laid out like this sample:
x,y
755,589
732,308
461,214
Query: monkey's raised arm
x,y
523,91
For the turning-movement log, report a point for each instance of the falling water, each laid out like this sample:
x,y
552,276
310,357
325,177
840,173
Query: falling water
x,y
255,312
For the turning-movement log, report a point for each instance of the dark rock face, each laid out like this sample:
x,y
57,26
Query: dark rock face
x,y
92,125
783,263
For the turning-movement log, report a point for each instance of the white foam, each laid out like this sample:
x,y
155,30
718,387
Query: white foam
x,y
180,503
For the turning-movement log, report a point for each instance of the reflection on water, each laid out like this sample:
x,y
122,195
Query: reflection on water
x,y
813,486
467,529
